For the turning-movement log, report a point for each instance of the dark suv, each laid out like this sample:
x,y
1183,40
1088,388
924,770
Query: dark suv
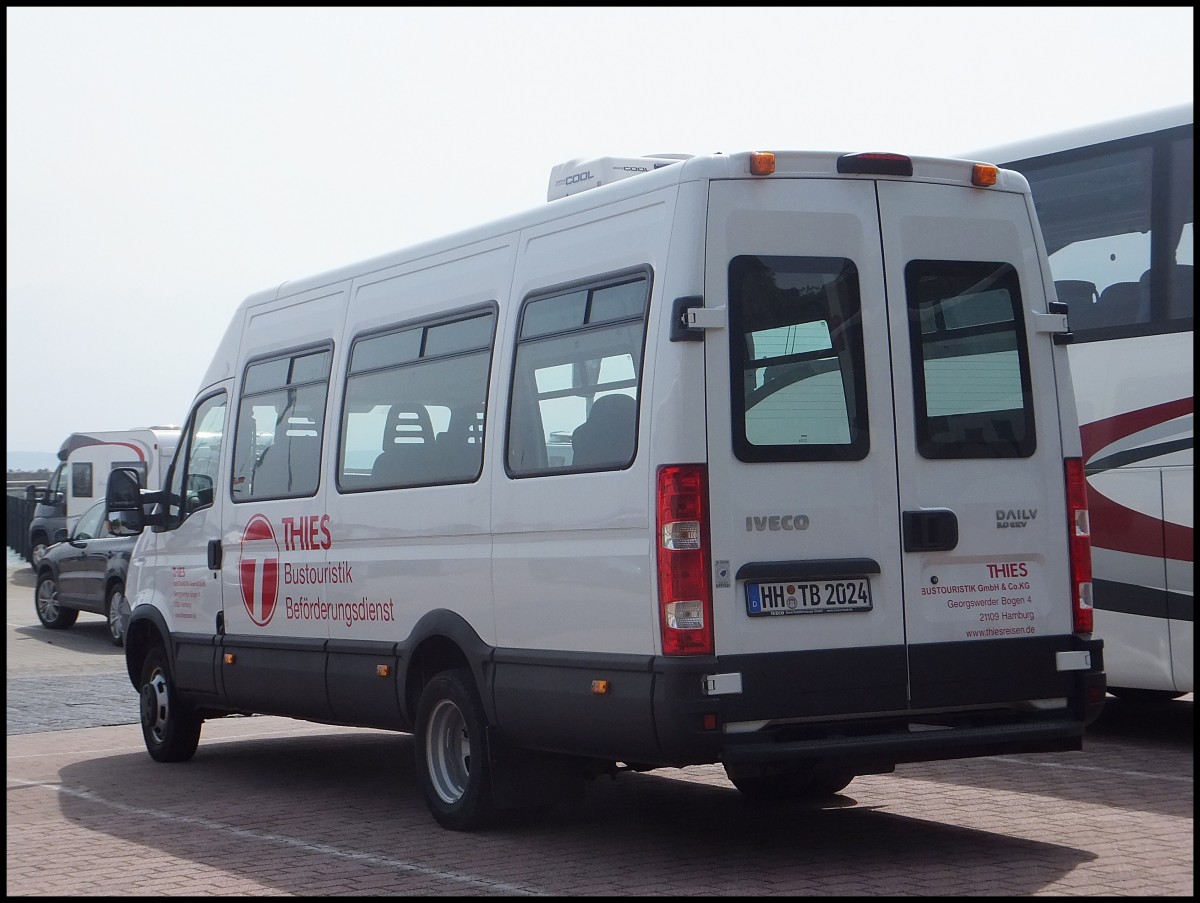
x,y
85,572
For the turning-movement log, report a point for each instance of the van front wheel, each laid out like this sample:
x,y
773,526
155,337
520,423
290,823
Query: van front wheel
x,y
171,731
451,752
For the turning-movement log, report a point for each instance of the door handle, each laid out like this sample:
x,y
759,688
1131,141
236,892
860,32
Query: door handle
x,y
929,530
214,554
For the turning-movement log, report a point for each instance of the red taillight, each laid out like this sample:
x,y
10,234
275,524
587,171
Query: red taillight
x,y
684,590
1079,533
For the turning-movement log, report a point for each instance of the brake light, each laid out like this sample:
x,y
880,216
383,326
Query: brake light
x,y
684,588
876,164
1080,538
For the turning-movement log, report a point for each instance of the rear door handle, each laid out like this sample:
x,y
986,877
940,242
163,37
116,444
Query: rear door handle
x,y
929,530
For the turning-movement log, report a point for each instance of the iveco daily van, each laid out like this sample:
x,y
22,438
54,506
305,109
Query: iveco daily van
x,y
761,459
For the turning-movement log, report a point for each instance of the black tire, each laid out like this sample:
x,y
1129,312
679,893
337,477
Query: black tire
x,y
451,753
37,551
806,783
171,731
49,611
112,612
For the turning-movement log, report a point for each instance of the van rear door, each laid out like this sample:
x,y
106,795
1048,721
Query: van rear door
x,y
883,501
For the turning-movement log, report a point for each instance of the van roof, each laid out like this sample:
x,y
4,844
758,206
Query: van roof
x,y
715,166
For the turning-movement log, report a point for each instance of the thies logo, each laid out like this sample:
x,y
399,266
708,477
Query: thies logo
x,y
259,570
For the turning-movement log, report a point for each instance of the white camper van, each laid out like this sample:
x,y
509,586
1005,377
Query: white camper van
x,y
761,459
80,480
92,456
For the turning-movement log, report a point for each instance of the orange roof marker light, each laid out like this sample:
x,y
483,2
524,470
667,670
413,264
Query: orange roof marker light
x,y
762,163
984,175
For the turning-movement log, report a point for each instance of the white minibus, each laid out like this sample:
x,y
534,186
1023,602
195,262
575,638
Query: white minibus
x,y
766,459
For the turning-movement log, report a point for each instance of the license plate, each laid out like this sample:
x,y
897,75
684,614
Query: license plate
x,y
800,598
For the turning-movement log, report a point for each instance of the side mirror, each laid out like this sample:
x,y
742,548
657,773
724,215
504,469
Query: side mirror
x,y
126,516
61,534
125,523
200,492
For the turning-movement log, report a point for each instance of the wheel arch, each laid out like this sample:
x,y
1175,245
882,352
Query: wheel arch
x,y
112,580
147,629
440,641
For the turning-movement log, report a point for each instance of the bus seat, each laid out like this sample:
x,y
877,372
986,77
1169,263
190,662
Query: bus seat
x,y
1180,303
290,466
1081,298
1119,305
606,438
408,449
460,447
1077,293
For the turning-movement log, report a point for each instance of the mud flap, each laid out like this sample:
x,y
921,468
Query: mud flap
x,y
527,779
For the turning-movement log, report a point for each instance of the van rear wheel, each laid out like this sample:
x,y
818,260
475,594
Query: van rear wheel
x,y
170,730
451,752
808,782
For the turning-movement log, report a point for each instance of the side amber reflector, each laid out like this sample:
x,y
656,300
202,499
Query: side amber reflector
x,y
599,687
984,175
762,163
383,670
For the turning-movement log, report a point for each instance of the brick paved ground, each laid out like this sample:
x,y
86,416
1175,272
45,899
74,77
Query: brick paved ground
x,y
276,807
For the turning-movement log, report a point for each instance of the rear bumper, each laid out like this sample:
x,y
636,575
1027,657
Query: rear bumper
x,y
892,743
873,705
883,706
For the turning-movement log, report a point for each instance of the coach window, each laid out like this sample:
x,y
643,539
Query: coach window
x,y
281,421
1178,254
970,363
1096,219
576,378
416,399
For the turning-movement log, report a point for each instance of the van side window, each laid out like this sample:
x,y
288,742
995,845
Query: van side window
x,y
576,379
799,381
190,486
281,421
416,399
970,363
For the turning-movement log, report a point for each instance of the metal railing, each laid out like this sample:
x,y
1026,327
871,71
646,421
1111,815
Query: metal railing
x,y
20,515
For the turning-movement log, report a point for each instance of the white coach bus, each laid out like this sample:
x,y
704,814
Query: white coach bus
x,y
1115,204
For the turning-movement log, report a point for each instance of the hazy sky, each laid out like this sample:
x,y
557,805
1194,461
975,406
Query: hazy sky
x,y
163,164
